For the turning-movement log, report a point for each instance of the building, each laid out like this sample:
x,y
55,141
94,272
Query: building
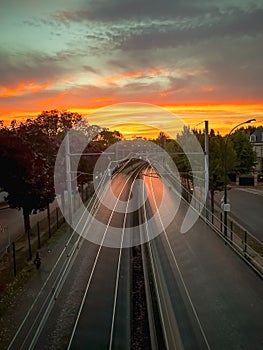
x,y
3,195
256,140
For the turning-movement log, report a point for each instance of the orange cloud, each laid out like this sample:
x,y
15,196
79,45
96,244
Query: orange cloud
x,y
22,89
138,74
221,116
103,99
208,89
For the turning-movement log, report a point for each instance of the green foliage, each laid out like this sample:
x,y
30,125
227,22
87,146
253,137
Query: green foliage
x,y
218,155
27,158
180,159
54,122
27,155
105,139
162,140
245,156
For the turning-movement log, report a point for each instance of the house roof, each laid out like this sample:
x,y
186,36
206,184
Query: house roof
x,y
257,135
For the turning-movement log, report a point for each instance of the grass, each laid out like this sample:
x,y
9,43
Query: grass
x,y
14,287
24,266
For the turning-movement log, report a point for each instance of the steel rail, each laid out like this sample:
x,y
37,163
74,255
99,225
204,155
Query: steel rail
x,y
61,276
181,276
148,291
50,275
95,263
157,285
119,260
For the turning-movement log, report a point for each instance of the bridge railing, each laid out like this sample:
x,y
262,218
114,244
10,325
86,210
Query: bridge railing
x,y
245,244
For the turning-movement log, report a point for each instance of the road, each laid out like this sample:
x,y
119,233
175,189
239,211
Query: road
x,y
246,208
208,298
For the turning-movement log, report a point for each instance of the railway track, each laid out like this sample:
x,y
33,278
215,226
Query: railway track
x,y
124,299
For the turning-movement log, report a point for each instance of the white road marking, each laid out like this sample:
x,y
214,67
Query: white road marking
x,y
251,190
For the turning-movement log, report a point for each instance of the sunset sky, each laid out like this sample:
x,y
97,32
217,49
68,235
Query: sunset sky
x,y
198,59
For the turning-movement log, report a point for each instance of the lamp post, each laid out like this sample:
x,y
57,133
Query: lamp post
x,y
227,205
206,167
206,153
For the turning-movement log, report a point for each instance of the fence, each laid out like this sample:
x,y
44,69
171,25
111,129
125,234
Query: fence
x,y
25,246
247,246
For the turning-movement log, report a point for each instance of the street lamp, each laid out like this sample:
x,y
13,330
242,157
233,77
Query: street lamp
x,y
206,153
226,205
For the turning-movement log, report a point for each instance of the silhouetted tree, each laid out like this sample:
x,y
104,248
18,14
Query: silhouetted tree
x,y
27,159
106,138
217,154
27,154
245,156
54,122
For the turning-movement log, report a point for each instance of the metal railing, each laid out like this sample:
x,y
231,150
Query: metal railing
x,y
246,245
18,251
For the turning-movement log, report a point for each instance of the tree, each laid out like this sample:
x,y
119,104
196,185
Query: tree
x,y
217,163
27,160
245,156
54,122
27,154
162,139
217,156
177,154
106,138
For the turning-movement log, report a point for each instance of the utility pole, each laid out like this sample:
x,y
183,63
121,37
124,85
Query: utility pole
x,y
206,166
68,177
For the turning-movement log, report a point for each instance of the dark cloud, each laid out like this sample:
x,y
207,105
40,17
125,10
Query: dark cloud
x,y
237,80
104,10
163,35
72,16
90,69
148,31
32,23
222,45
114,11
118,64
234,63
37,67
236,22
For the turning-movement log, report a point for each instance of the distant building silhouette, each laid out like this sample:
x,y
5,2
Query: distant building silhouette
x,y
257,141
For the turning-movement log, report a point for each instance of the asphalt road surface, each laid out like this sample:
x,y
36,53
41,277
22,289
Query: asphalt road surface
x,y
246,208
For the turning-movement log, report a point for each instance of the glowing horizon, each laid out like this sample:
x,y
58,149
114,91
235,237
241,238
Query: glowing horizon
x,y
221,117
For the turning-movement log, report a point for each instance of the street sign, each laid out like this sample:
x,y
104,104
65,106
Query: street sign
x,y
225,206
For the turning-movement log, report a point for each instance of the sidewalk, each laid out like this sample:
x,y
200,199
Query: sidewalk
x,y
12,223
21,293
